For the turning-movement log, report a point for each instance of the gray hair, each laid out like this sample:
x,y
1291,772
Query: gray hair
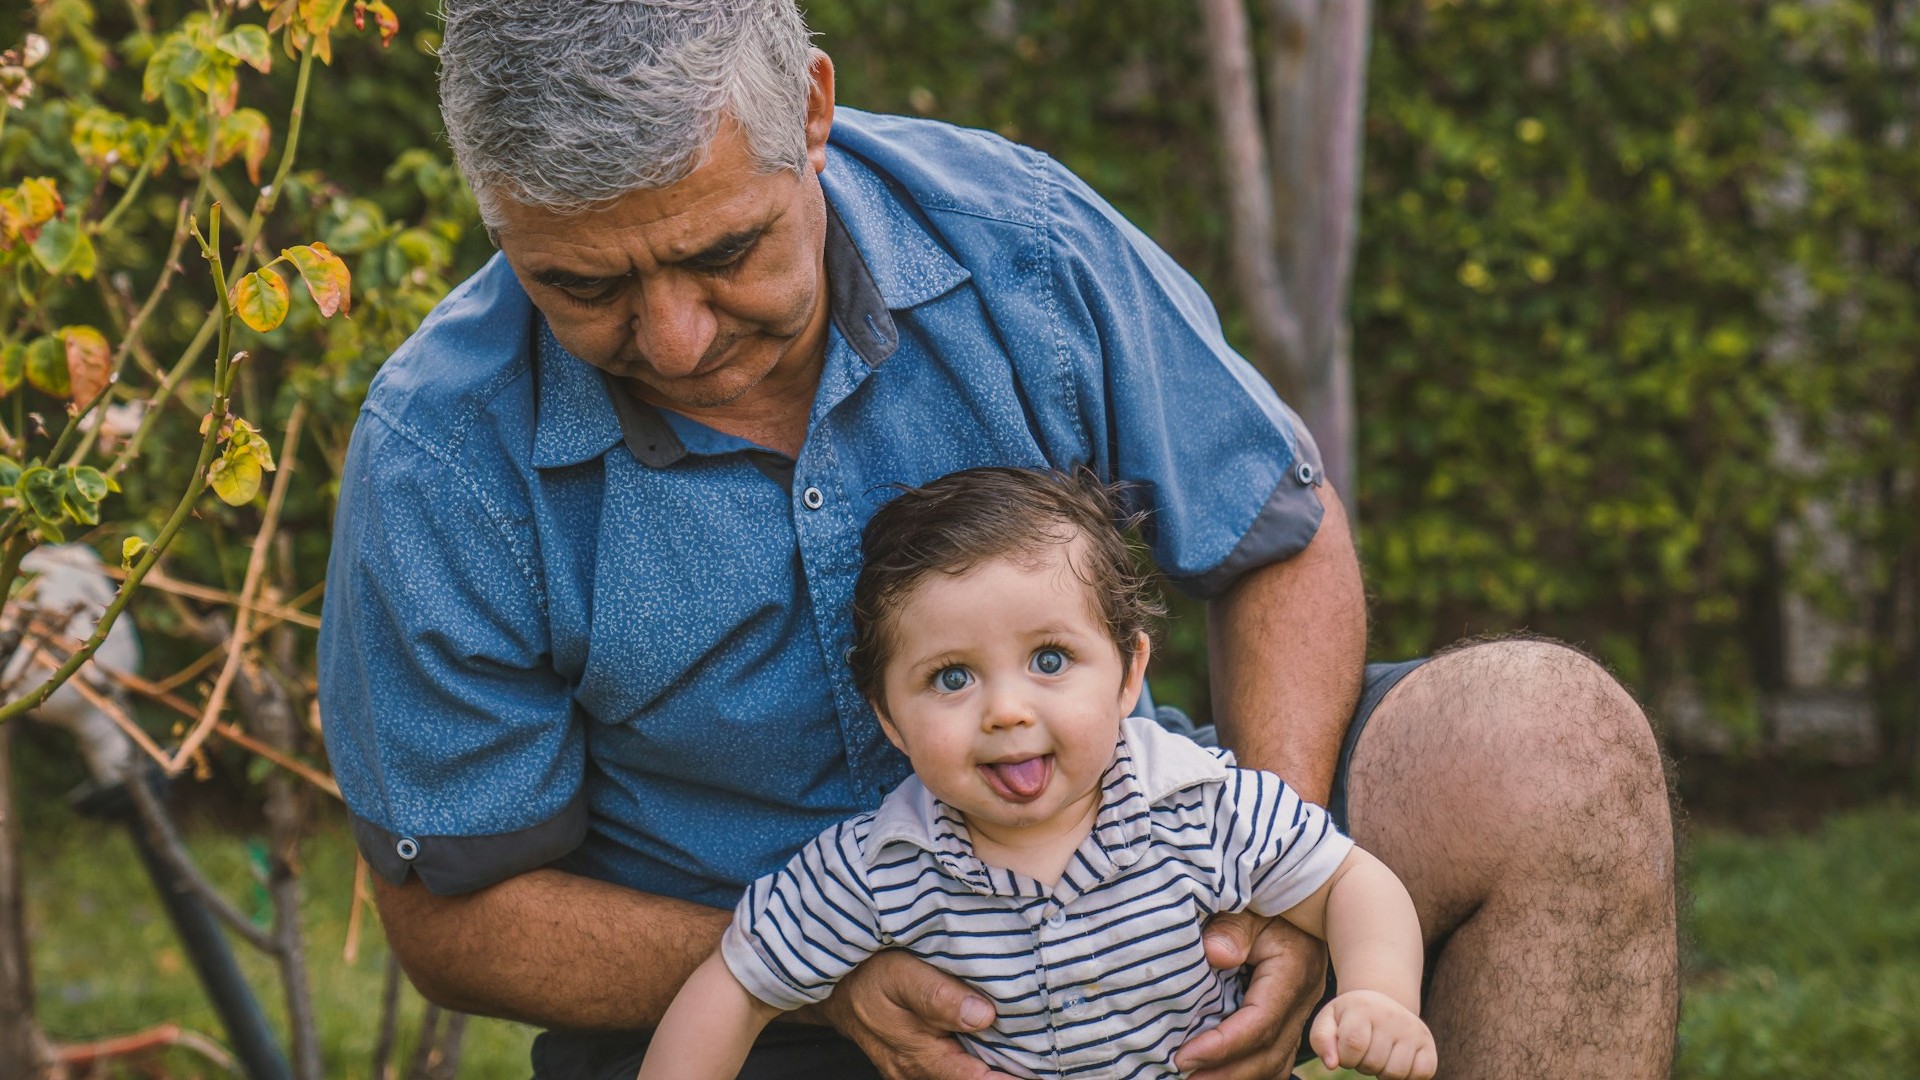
x,y
565,104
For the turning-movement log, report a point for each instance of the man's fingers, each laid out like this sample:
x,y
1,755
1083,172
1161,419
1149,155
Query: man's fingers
x,y
1324,1038
1229,938
939,999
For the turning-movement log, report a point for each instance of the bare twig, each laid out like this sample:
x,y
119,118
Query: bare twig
x,y
225,730
107,706
256,567
87,1056
351,952
164,582
389,1021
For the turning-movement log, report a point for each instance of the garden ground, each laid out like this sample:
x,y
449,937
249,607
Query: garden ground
x,y
1802,945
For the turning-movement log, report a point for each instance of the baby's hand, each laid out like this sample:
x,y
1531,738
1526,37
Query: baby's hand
x,y
1374,1034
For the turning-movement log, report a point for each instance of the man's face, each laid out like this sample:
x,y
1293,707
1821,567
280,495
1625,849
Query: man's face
x,y
697,292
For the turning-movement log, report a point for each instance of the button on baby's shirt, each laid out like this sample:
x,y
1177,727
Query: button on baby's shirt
x,y
1056,919
812,499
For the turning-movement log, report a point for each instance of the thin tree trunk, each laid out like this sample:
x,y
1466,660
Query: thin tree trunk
x,y
1292,196
1245,163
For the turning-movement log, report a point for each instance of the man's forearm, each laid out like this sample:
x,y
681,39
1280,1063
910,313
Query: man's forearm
x,y
549,948
1286,649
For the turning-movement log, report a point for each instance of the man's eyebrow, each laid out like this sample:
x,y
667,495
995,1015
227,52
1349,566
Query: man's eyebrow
x,y
555,278
725,248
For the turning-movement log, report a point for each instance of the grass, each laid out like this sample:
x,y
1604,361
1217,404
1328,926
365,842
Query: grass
x,y
106,961
1802,958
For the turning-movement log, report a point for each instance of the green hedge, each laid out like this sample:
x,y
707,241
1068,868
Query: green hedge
x,y
1608,254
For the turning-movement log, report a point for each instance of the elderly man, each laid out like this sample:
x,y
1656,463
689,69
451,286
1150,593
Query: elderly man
x,y
582,662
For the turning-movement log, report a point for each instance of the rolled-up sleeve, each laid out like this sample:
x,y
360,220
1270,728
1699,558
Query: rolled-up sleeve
x,y
455,743
1225,470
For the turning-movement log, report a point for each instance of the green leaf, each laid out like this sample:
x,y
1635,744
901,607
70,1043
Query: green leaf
x,y
64,248
130,551
250,45
77,506
46,364
13,367
261,300
91,482
9,471
39,490
326,277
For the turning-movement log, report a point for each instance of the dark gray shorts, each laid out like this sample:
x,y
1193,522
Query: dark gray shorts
x,y
806,1052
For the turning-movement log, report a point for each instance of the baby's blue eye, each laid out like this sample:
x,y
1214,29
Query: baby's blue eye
x,y
1049,661
952,679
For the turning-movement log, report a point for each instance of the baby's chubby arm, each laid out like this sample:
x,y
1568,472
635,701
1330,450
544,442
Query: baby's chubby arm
x,y
1373,936
708,1029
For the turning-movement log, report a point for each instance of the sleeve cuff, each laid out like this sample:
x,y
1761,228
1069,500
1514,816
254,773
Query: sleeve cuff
x,y
451,865
1283,528
750,966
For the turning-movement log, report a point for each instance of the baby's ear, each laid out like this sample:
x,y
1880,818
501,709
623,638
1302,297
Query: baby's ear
x,y
1136,676
886,724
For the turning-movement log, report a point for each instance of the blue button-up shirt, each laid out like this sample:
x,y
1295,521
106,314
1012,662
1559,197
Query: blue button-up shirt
x,y
563,627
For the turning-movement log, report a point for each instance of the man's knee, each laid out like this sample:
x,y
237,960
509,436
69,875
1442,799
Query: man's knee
x,y
1569,747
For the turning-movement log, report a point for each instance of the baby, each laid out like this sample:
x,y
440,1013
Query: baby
x,y
1055,852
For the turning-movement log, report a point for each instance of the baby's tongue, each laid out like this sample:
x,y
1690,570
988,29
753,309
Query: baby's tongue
x,y
1023,778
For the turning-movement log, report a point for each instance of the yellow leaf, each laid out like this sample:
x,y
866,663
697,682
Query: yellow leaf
x,y
130,550
261,300
244,132
326,276
235,478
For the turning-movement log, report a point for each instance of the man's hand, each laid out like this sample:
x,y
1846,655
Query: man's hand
x,y
902,1013
1257,1041
1371,1033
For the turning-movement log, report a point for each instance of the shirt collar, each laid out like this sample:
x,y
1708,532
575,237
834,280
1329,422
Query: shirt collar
x,y
1150,764
879,259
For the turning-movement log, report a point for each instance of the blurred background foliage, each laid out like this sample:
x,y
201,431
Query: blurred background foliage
x,y
1635,293
1635,340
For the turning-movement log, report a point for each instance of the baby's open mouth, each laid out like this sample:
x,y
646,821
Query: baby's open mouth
x,y
1019,781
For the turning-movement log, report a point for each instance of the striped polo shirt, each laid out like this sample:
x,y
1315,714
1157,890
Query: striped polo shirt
x,y
1104,974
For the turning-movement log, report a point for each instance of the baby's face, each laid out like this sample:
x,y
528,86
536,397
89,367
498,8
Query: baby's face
x,y
1006,693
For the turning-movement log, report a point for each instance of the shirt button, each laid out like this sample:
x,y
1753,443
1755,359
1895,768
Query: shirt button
x,y
1057,920
812,499
1304,473
407,848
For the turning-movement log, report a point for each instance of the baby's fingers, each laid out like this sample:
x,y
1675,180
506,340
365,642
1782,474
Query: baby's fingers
x,y
1324,1037
1357,1047
1407,1059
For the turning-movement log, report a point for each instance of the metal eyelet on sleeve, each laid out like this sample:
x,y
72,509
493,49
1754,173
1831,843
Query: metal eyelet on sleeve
x,y
1305,474
408,848
812,499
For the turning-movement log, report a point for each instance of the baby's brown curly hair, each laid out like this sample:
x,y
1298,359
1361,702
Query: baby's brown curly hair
x,y
969,517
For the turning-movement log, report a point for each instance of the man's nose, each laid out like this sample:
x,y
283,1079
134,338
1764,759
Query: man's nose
x,y
674,326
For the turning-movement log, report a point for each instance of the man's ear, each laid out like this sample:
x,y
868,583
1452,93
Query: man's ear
x,y
819,110
886,724
1136,677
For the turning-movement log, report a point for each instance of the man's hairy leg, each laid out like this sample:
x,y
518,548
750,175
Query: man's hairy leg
x,y
1518,791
